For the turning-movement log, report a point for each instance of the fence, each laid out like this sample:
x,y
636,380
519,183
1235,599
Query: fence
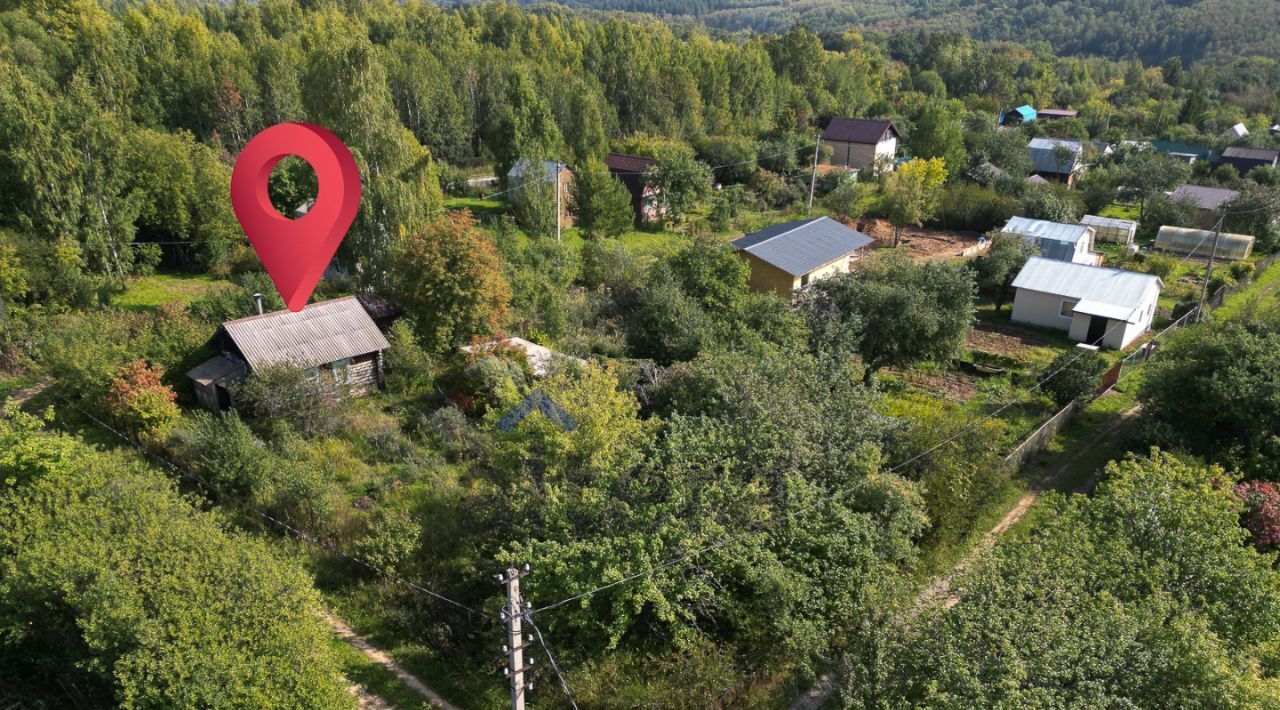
x,y
1040,437
1219,296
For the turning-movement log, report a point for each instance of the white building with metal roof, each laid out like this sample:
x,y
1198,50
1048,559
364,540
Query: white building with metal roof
x,y
1094,305
1055,240
336,337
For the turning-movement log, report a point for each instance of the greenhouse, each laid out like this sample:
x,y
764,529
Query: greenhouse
x,y
1200,243
1111,229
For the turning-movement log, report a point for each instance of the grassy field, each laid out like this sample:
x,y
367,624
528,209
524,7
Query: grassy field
x,y
1256,296
147,292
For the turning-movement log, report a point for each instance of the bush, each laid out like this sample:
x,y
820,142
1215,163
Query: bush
x,y
845,201
286,394
1160,265
974,208
1075,375
141,403
772,190
410,368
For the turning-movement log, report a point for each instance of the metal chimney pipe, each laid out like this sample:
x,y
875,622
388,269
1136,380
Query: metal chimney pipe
x,y
257,301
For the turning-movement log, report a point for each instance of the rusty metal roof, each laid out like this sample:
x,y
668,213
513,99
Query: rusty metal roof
x,y
320,333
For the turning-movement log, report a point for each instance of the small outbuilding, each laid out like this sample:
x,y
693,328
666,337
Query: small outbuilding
x,y
1092,304
551,172
630,170
861,143
1201,243
1013,117
1051,114
789,256
1111,229
1063,242
538,357
1246,159
337,337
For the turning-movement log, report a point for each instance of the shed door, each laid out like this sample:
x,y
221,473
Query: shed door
x,y
1097,329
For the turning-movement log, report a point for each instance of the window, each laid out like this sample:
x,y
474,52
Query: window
x,y
804,281
340,369
1068,308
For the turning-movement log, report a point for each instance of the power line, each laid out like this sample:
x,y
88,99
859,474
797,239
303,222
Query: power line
x,y
554,666
728,539
522,185
245,506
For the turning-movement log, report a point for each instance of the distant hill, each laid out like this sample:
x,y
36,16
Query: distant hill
x,y
1152,30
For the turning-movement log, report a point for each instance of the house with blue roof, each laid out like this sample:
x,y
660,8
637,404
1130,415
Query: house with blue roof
x,y
1022,114
789,256
1057,241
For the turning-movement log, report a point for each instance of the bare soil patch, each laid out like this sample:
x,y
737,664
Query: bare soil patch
x,y
991,339
923,243
952,385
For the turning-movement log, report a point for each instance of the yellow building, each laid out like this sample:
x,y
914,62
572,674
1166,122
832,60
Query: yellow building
x,y
789,256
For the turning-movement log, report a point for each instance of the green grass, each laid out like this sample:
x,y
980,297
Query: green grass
x,y
1119,211
147,292
376,680
478,206
1253,297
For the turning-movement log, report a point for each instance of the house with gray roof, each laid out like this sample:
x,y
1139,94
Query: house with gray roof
x,y
1094,305
789,256
336,338
1061,160
1054,240
1208,201
1246,159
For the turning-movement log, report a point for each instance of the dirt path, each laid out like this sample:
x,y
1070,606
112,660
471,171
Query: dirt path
x,y
384,659
21,396
940,588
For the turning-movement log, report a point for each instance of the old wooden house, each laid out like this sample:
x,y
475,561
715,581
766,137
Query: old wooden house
x,y
335,337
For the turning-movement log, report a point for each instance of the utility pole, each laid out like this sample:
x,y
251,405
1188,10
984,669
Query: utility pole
x,y
559,165
813,179
1208,273
513,615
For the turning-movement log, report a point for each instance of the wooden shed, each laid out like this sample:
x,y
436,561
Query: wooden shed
x,y
337,337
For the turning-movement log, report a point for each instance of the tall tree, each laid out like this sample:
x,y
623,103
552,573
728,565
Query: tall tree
x,y
912,193
449,278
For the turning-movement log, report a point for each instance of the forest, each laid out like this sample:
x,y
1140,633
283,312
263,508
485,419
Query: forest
x,y
1221,31
756,492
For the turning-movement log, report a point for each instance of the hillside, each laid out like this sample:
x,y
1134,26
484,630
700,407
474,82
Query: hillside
x,y
1150,29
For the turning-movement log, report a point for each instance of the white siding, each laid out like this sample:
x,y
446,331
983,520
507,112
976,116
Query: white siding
x,y
1044,309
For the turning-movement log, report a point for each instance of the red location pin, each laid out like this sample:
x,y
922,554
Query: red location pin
x,y
296,252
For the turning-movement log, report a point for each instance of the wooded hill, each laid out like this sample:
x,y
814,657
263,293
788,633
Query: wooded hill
x,y
1152,31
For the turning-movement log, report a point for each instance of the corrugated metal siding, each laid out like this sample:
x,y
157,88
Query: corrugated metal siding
x,y
320,333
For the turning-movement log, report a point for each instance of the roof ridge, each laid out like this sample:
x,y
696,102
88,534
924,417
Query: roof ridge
x,y
1094,266
799,224
256,316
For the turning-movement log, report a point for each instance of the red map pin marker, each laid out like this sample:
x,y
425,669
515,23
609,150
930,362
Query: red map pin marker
x,y
296,252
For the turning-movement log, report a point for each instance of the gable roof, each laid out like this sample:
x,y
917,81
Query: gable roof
x,y
859,130
318,334
525,166
1111,293
1044,229
801,246
623,163
1057,113
1206,198
1044,161
1266,155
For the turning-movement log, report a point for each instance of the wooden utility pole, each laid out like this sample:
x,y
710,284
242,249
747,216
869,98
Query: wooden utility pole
x,y
813,178
1208,273
513,615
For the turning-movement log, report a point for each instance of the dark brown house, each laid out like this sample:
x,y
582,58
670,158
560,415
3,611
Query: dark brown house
x,y
1246,159
630,169
860,143
336,337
